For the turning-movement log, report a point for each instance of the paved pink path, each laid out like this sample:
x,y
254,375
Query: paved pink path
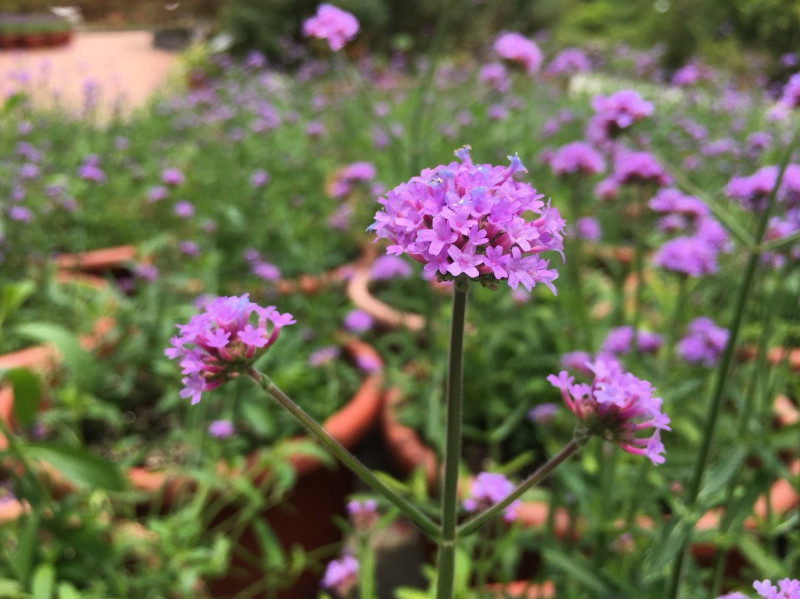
x,y
122,67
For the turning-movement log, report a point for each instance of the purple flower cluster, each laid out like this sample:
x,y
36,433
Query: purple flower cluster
x,y
588,228
694,254
619,340
221,429
347,176
263,270
520,50
468,219
569,62
358,321
389,267
704,342
791,92
495,75
173,176
786,589
616,113
341,575
487,489
323,355
332,24
363,514
753,191
577,158
222,342
639,168
617,406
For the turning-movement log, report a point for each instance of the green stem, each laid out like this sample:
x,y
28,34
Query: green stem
x,y
452,449
348,459
723,371
543,472
638,261
672,330
573,268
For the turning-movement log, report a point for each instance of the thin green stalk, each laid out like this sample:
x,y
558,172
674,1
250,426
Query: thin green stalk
x,y
573,268
534,479
608,467
759,367
409,510
722,372
452,449
672,329
638,261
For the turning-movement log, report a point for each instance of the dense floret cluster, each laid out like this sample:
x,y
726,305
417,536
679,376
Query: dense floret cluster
x,y
468,219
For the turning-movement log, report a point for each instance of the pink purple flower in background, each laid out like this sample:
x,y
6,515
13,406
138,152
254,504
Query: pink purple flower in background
x,y
786,589
259,178
173,177
315,128
265,270
616,113
189,248
333,25
639,168
790,97
20,214
588,228
223,341
618,407
323,355
518,49
340,219
368,363
183,209
607,189
689,255
577,158
221,429
363,514
341,576
145,272
495,75
91,172
569,62
487,489
389,267
157,193
704,342
358,321
467,219
347,176
497,112
543,413
578,361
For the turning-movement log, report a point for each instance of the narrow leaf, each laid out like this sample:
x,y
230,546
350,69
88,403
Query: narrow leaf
x,y
27,394
80,466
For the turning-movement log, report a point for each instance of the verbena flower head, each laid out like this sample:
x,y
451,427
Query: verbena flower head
x,y
495,75
519,49
468,219
692,256
221,429
569,62
616,113
786,589
341,575
543,413
487,489
704,342
332,24
618,407
577,158
358,321
363,514
389,267
588,228
639,168
791,92
223,341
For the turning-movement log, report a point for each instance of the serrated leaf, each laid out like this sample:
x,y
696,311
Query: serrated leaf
x,y
27,394
80,466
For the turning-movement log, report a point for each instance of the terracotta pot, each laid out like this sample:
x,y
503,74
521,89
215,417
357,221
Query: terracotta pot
x,y
35,40
522,590
382,313
305,518
98,261
8,41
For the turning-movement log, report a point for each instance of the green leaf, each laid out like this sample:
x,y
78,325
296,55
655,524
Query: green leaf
x,y
80,466
269,543
67,591
259,418
79,361
718,476
767,565
579,571
27,394
13,296
21,559
673,538
44,582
